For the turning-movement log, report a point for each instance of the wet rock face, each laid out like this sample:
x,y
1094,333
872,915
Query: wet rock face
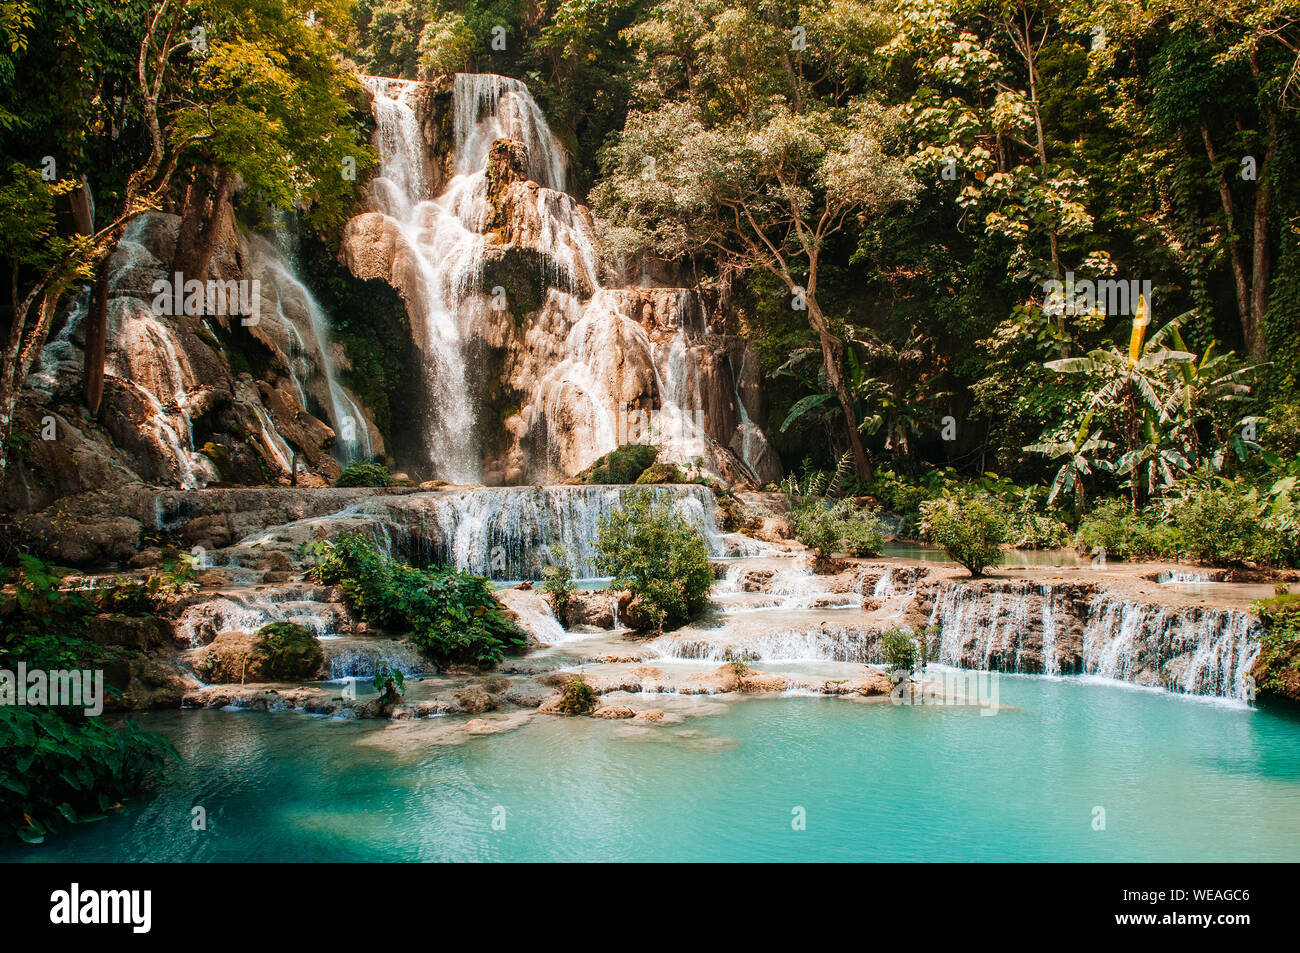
x,y
565,369
174,410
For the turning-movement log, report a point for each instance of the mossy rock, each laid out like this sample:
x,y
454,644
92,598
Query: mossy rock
x,y
661,473
279,652
623,465
364,474
286,652
1277,669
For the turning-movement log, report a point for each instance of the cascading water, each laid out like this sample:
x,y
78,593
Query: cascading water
x,y
301,315
587,360
445,235
1019,626
147,359
1192,650
513,532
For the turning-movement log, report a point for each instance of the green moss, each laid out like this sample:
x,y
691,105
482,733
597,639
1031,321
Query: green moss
x,y
364,474
622,465
287,652
577,697
1277,669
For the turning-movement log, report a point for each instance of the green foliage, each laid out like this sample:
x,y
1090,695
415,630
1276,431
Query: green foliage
x,y
653,551
450,614
1277,669
577,696
840,526
903,652
58,768
289,652
557,579
971,529
364,474
1219,524
1031,526
625,464
1114,527
49,627
390,683
174,578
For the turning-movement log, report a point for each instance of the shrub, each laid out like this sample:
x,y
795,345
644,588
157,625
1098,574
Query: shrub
x,y
390,683
576,697
1219,524
364,474
174,578
557,580
970,530
286,651
1031,528
835,527
654,552
623,465
1114,527
1277,669
903,652
450,614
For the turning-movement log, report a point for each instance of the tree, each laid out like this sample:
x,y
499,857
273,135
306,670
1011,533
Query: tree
x,y
767,190
254,92
1078,460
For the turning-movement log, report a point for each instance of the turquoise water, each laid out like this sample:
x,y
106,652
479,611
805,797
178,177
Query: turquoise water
x,y
1179,779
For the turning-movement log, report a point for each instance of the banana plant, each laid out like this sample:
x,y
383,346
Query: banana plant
x,y
1079,458
1156,463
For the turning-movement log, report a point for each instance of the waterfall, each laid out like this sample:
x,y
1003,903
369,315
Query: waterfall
x,y
446,238
823,643
247,610
1019,627
308,327
510,532
586,360
985,627
1188,649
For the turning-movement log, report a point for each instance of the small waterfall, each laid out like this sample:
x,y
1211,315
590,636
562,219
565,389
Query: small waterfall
x,y
986,627
302,317
359,661
1186,577
249,610
509,532
1191,650
821,644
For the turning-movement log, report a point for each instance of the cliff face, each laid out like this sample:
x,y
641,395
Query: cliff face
x,y
221,383
469,219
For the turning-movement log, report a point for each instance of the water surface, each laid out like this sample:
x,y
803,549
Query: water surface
x,y
1178,779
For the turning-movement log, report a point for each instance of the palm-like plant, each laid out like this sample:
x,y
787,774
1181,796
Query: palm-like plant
x,y
1206,391
1078,459
1138,385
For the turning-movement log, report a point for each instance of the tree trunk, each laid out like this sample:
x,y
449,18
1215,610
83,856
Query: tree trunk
x,y
201,223
96,336
1241,279
833,365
